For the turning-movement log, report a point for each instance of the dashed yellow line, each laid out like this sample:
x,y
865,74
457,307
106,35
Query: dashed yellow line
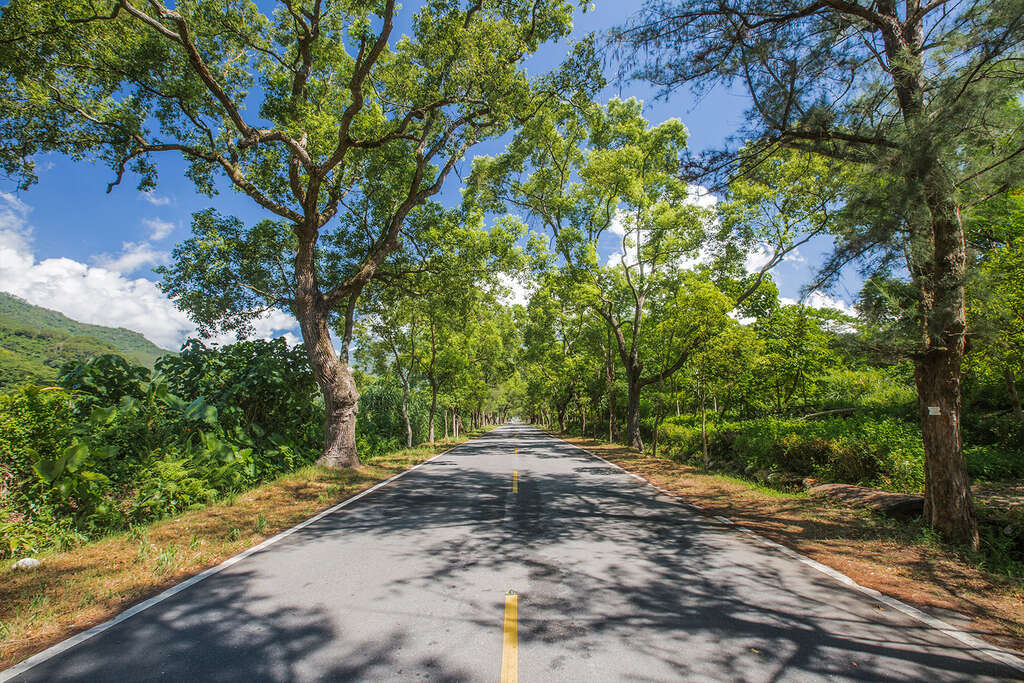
x,y
510,640
515,481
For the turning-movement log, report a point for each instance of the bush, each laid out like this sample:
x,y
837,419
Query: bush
x,y
993,463
117,445
880,452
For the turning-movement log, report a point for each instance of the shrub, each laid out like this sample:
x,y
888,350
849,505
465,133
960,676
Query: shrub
x,y
883,452
994,463
116,445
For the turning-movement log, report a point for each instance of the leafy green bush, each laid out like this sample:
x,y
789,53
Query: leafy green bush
x,y
993,463
117,445
873,391
883,452
262,388
994,429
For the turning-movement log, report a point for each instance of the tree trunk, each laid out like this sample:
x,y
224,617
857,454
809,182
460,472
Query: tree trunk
x,y
336,385
609,373
704,428
455,422
445,424
405,413
1011,389
633,414
937,262
433,413
948,502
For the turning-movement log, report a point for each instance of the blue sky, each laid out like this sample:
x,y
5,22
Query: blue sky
x,y
67,245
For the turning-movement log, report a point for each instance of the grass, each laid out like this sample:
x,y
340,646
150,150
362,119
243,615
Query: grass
x,y
906,560
78,588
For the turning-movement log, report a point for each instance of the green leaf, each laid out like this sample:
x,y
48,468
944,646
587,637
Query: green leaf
x,y
101,416
195,408
74,455
48,470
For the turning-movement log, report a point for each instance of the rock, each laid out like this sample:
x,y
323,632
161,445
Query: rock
x,y
895,505
26,563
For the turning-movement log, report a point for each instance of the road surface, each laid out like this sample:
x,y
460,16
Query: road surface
x,y
612,581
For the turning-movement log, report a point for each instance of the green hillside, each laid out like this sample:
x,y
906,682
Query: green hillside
x,y
35,342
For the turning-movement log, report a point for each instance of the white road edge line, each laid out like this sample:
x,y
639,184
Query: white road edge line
x,y
977,644
64,645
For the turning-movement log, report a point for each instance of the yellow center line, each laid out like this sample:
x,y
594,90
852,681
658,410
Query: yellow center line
x,y
515,451
510,641
515,481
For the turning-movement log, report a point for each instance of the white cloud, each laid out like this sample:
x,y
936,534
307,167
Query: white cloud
x,y
270,325
821,300
516,292
158,229
757,259
101,294
155,199
698,195
617,227
134,255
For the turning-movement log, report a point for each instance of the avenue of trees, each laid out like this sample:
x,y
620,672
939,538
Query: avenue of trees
x,y
894,131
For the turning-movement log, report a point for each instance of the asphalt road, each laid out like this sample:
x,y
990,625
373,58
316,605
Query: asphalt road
x,y
615,582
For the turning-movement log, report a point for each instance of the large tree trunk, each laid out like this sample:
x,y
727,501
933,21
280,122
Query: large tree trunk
x,y
938,259
333,376
633,413
948,503
338,389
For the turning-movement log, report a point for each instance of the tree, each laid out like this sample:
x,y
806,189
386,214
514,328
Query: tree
x,y
353,130
923,99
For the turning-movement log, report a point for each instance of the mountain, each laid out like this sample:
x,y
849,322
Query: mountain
x,y
35,342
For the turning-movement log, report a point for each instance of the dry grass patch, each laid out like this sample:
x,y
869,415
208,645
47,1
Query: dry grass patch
x,y
79,588
904,560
